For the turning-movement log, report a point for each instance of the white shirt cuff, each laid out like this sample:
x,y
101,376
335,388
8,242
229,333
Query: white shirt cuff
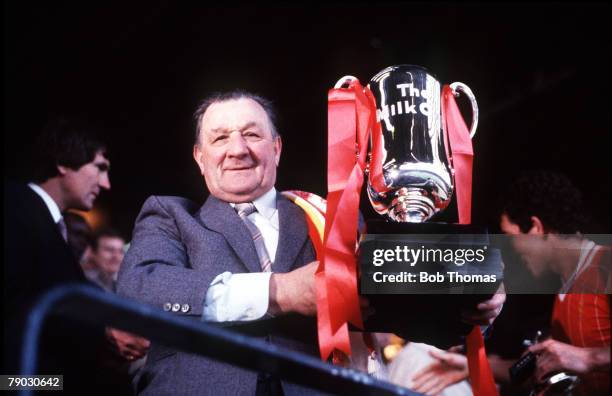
x,y
237,297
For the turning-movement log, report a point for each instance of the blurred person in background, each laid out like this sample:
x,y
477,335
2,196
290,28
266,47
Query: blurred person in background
x,y
106,255
79,237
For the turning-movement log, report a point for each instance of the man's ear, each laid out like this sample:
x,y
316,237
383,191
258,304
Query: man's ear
x,y
198,157
537,228
278,147
62,170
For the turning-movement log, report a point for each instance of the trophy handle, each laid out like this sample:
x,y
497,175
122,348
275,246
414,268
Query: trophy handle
x,y
345,80
459,86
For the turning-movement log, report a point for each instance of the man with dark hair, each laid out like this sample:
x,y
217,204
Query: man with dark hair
x,y
552,195
71,169
543,212
70,142
243,256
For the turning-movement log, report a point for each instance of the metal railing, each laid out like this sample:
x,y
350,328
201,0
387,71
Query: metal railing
x,y
94,306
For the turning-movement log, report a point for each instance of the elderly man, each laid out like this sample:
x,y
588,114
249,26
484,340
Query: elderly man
x,y
244,255
225,261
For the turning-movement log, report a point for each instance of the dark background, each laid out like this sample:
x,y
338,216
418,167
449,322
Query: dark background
x,y
539,72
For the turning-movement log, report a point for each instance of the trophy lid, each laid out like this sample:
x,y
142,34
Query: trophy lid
x,y
406,66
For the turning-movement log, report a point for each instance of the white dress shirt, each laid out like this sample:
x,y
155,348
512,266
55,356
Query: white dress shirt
x,y
239,297
244,297
56,214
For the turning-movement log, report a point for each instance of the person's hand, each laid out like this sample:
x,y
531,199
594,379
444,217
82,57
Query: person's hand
x,y
554,356
485,312
127,345
448,369
294,291
500,368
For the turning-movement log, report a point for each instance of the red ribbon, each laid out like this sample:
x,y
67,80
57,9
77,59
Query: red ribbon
x,y
481,377
376,173
351,118
462,153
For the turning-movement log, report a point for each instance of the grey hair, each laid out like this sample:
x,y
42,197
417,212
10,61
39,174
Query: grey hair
x,y
218,97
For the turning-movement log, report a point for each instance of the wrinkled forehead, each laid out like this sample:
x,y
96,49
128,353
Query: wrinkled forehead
x,y
234,115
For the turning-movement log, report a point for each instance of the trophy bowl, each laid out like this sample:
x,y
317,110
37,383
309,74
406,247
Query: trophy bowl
x,y
416,162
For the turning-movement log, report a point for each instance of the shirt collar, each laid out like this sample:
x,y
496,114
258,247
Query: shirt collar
x,y
266,204
51,205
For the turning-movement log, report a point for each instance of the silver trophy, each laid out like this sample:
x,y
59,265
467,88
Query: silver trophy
x,y
412,180
415,158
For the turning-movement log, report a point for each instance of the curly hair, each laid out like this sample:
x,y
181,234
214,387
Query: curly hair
x,y
548,195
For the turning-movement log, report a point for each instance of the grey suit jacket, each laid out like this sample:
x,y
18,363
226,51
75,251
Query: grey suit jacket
x,y
175,253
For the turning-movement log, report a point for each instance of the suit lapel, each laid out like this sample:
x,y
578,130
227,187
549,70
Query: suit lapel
x,y
220,217
55,243
293,232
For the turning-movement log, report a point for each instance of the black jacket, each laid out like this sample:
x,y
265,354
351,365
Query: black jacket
x,y
36,259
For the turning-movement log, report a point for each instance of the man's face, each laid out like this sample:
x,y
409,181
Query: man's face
x,y
109,255
82,186
531,246
237,154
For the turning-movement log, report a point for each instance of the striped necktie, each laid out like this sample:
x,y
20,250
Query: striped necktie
x,y
245,209
61,225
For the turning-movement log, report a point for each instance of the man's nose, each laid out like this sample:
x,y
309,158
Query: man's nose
x,y
237,145
105,181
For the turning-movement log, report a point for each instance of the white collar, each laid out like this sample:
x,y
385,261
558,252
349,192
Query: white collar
x,y
265,204
587,250
51,205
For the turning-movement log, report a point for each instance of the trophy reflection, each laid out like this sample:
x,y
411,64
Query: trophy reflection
x,y
420,156
416,163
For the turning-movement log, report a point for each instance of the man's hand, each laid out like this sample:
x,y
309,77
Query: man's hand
x,y
500,368
294,291
448,369
127,345
485,312
554,356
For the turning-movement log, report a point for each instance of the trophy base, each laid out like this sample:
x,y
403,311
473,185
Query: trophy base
x,y
430,319
429,313
412,205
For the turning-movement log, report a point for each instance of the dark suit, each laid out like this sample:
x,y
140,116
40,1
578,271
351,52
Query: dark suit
x,y
36,258
176,252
